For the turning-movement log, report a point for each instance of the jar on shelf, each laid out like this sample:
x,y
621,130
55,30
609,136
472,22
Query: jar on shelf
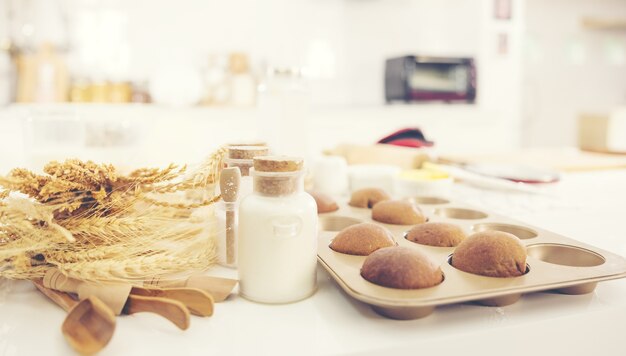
x,y
277,234
242,83
284,103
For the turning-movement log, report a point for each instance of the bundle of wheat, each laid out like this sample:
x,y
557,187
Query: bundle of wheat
x,y
95,224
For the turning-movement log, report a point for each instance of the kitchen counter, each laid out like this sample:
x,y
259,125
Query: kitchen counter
x,y
189,134
585,206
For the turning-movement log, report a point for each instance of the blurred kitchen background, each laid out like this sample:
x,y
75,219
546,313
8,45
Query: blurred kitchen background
x,y
153,81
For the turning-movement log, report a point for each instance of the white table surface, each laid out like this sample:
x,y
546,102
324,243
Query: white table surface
x,y
589,207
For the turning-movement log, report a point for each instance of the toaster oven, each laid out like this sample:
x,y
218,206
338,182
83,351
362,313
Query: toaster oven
x,y
421,78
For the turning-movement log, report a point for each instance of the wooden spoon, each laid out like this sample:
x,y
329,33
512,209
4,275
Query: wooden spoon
x,y
170,309
230,179
119,298
197,301
219,288
89,324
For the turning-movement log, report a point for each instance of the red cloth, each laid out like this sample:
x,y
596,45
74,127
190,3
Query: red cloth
x,y
409,137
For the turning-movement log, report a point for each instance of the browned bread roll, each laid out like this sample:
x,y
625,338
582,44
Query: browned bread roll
x,y
325,204
492,254
362,239
402,268
398,212
436,234
367,197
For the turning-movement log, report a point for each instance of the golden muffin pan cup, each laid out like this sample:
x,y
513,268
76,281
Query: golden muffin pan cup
x,y
555,262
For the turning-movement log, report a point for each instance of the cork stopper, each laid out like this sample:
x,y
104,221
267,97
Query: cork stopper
x,y
238,63
278,175
246,152
278,164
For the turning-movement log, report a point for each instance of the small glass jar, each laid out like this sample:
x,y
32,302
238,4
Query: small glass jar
x,y
277,234
120,92
241,157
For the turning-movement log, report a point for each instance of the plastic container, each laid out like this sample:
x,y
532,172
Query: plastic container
x,y
330,175
373,176
277,234
422,182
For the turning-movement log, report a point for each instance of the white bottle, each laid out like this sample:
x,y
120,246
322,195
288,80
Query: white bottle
x,y
6,78
277,234
284,111
242,83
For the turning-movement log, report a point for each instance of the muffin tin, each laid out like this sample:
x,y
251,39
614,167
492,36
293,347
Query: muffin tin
x,y
554,263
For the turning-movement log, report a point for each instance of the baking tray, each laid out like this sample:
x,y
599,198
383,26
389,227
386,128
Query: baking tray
x,y
555,262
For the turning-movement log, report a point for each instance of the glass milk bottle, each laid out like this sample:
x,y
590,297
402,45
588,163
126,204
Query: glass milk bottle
x,y
284,111
277,234
240,157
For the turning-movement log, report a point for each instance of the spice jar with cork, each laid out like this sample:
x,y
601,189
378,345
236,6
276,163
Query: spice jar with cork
x,y
240,158
277,234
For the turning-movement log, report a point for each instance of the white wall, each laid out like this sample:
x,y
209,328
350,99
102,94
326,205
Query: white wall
x,y
568,69
343,42
377,30
555,69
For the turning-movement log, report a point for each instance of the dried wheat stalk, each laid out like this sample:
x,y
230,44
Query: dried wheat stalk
x,y
94,224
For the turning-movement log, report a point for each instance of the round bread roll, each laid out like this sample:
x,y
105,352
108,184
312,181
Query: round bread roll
x,y
401,268
398,212
325,204
436,234
492,254
367,197
362,239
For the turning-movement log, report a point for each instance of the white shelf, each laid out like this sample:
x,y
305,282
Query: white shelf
x,y
592,23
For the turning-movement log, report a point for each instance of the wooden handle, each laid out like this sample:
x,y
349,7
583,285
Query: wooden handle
x,y
159,282
172,310
54,279
231,232
219,288
62,299
197,301
113,294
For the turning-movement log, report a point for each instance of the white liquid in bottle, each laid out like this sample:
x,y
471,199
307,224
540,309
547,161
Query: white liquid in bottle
x,y
277,235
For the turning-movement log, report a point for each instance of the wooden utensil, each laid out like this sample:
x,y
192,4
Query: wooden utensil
x,y
230,179
197,301
219,288
119,298
115,295
89,324
170,309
